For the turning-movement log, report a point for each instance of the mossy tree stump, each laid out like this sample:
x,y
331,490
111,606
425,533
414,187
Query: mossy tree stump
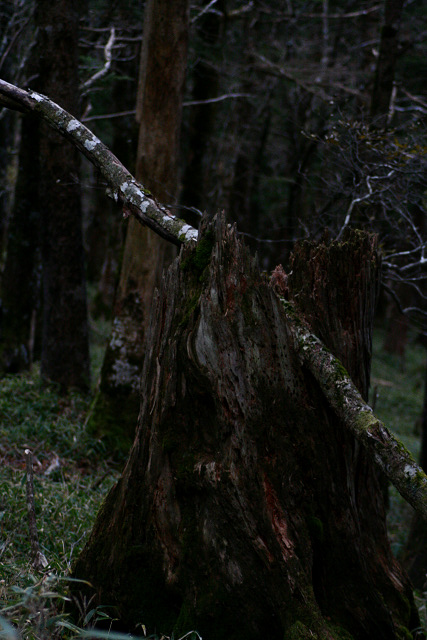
x,y
245,510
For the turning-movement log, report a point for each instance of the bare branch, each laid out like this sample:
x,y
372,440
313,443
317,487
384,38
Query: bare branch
x,y
226,96
123,186
415,99
341,16
292,15
203,11
107,116
276,70
108,57
352,204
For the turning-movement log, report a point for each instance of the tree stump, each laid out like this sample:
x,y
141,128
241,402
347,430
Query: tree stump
x,y
245,510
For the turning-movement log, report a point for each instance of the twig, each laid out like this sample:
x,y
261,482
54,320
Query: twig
x,y
106,116
108,56
38,558
203,11
226,96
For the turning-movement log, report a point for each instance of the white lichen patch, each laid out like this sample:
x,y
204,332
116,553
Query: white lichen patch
x,y
167,218
117,332
190,233
73,125
36,96
409,471
125,373
135,195
91,144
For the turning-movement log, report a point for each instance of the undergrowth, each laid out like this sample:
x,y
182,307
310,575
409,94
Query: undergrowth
x,y
72,475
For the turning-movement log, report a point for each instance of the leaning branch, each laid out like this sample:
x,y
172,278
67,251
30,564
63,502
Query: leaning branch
x,y
388,452
123,187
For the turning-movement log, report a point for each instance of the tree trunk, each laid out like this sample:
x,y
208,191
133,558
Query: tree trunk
x,y
201,127
20,285
387,58
21,276
245,509
163,65
65,347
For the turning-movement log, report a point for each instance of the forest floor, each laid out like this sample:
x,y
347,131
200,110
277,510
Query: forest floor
x,y
73,473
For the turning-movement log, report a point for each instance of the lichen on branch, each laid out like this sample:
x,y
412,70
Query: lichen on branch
x,y
388,452
123,186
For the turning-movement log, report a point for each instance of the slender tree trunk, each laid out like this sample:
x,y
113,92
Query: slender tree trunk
x,y
387,58
161,84
21,277
65,347
245,510
206,81
7,128
20,290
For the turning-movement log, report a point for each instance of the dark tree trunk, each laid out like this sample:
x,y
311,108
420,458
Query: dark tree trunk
x,y
387,58
21,277
245,510
65,347
206,81
7,128
20,286
163,65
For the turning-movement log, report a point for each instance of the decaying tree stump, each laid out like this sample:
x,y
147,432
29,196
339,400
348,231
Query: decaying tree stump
x,y
245,509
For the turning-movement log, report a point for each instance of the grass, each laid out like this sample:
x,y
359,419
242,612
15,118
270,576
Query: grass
x,y
73,475
71,478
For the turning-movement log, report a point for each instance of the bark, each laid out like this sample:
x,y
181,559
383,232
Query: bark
x,y
159,107
244,510
65,346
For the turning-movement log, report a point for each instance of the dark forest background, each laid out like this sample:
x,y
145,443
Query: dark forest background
x,y
297,119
